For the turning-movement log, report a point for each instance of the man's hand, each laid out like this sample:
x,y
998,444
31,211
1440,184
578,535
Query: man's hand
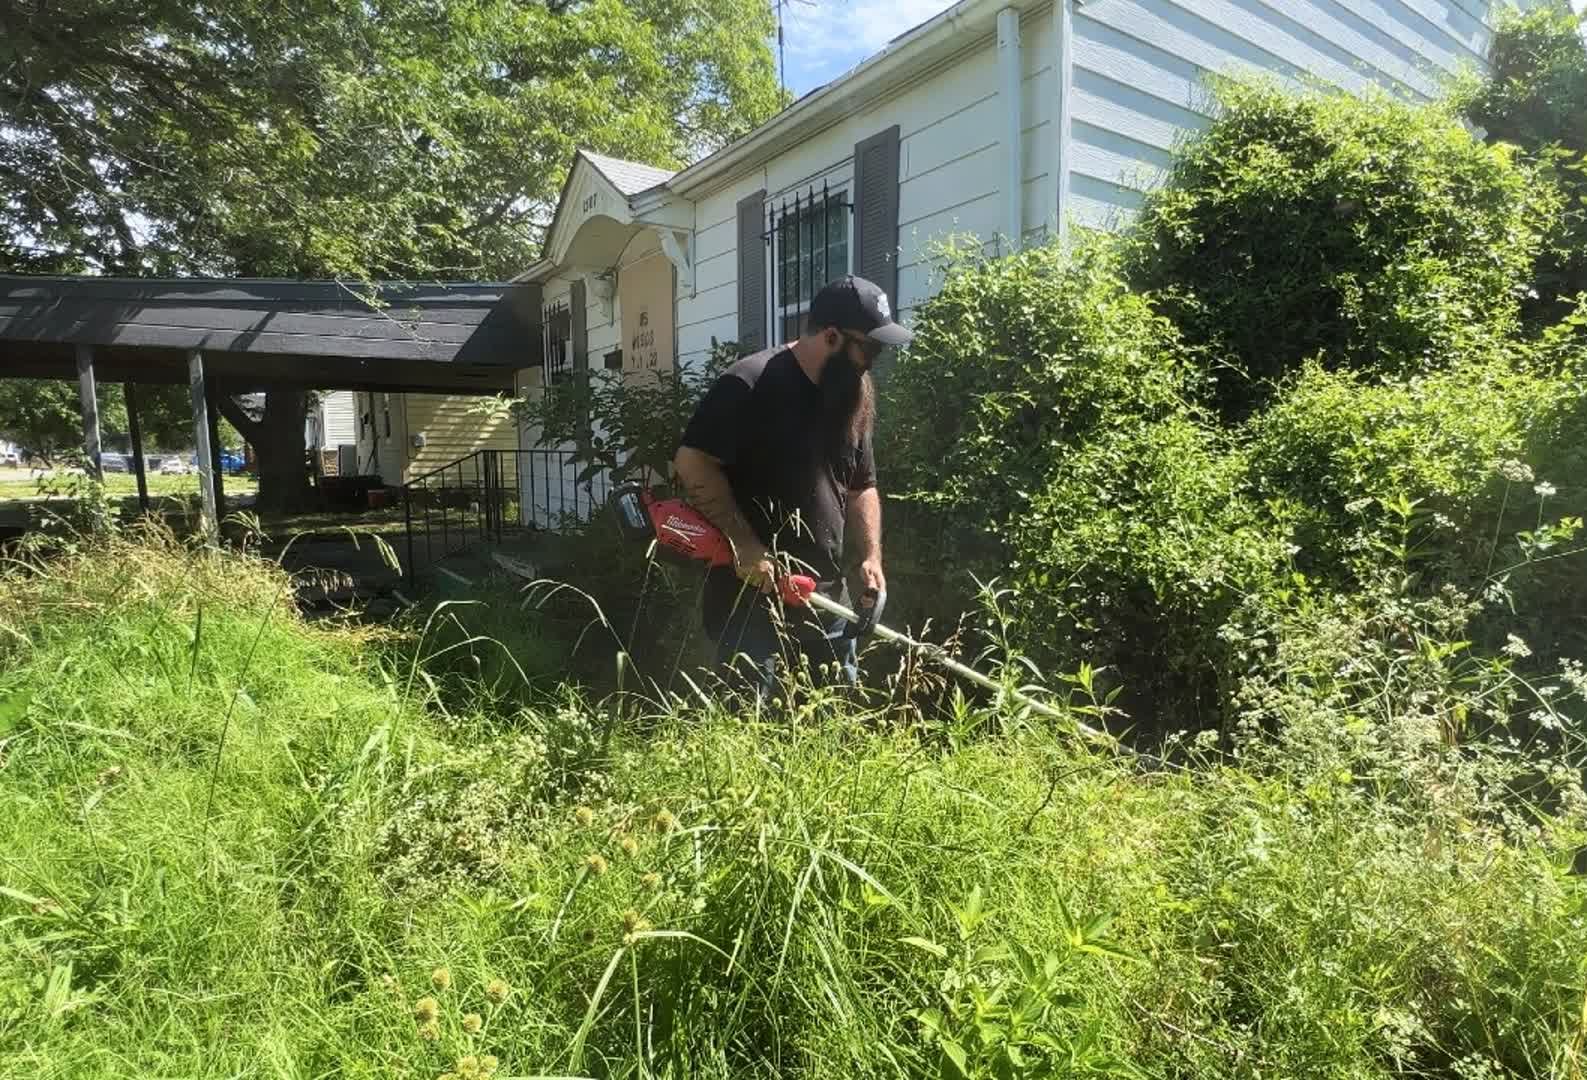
x,y
754,566
872,581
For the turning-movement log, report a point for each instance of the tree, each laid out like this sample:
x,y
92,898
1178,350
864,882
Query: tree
x,y
44,416
1535,97
387,139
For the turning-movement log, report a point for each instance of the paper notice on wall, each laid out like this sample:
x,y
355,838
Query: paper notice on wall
x,y
644,292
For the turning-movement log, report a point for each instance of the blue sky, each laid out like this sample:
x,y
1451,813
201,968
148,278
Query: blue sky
x,y
825,38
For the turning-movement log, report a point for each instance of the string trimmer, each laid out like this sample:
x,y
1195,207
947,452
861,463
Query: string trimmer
x,y
682,534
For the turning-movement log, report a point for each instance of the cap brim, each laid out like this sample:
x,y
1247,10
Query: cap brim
x,y
891,334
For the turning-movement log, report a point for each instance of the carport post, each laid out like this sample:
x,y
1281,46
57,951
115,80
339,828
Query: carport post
x,y
135,429
90,405
201,428
212,389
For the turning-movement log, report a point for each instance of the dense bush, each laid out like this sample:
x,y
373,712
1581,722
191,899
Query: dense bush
x,y
1379,235
1320,379
1342,447
1132,554
1016,363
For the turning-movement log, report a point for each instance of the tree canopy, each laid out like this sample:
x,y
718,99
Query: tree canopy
x,y
391,138
385,139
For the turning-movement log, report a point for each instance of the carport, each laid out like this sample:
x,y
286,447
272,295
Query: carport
x,y
237,336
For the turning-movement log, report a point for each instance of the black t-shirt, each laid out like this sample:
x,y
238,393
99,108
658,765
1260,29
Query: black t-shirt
x,y
763,420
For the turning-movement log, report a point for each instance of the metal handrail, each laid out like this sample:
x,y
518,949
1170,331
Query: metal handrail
x,y
483,495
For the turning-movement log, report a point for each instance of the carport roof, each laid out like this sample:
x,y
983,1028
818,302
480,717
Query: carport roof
x,y
466,337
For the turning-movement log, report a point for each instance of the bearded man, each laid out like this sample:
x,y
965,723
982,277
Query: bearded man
x,y
779,455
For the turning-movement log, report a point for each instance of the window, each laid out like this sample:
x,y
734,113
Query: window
x,y
557,321
613,360
809,247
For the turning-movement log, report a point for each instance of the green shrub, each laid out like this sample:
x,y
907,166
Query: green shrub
x,y
1015,364
1379,235
1341,447
1469,478
1132,555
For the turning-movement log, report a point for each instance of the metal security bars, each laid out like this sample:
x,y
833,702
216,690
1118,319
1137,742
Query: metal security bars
x,y
556,320
809,245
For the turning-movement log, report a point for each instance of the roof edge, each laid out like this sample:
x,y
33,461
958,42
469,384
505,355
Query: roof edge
x,y
907,56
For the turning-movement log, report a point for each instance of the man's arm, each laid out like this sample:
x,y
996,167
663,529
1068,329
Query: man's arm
x,y
708,491
866,506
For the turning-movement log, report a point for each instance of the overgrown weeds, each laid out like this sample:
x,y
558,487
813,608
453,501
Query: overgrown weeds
x,y
377,887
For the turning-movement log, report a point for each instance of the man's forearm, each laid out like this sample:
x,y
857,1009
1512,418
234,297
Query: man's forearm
x,y
867,509
707,489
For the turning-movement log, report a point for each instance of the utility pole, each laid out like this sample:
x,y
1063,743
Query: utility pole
x,y
782,60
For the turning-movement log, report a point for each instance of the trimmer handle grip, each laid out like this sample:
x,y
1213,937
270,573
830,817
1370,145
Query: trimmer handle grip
x,y
796,589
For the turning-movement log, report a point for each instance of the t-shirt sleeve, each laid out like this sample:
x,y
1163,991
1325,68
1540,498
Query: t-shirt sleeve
x,y
719,424
865,470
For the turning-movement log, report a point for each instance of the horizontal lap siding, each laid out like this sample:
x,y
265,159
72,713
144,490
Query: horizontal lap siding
x,y
452,430
341,418
950,177
1139,85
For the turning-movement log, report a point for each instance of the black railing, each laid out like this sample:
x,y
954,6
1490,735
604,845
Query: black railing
x,y
490,493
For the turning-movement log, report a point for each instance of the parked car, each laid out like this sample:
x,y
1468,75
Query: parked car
x,y
230,462
111,462
11,458
173,466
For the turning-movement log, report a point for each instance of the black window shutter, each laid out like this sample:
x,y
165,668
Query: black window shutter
x,y
876,210
752,296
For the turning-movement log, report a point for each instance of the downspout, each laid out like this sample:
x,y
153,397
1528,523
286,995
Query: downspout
x,y
1009,67
1063,57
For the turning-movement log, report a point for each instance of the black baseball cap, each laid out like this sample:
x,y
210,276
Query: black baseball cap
x,y
853,303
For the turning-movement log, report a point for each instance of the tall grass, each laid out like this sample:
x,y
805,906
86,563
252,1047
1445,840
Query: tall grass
x,y
232,844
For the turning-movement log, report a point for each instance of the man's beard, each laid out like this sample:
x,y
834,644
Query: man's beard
x,y
848,403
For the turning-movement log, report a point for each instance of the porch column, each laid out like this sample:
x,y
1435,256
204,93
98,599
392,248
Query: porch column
x,y
199,392
212,389
135,429
89,399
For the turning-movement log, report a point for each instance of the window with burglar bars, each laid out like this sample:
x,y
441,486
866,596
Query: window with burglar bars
x,y
809,242
557,321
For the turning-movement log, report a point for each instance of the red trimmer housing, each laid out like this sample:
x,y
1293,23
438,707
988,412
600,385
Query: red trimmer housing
x,y
684,535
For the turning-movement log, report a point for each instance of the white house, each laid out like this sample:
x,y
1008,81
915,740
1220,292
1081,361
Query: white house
x,y
1004,119
330,426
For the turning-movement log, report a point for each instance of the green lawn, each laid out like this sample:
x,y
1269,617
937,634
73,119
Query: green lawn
x,y
21,484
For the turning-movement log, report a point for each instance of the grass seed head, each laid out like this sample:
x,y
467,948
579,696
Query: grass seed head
x,y
664,821
472,1023
430,1031
584,816
595,863
629,845
468,1068
497,990
426,1009
441,978
652,880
